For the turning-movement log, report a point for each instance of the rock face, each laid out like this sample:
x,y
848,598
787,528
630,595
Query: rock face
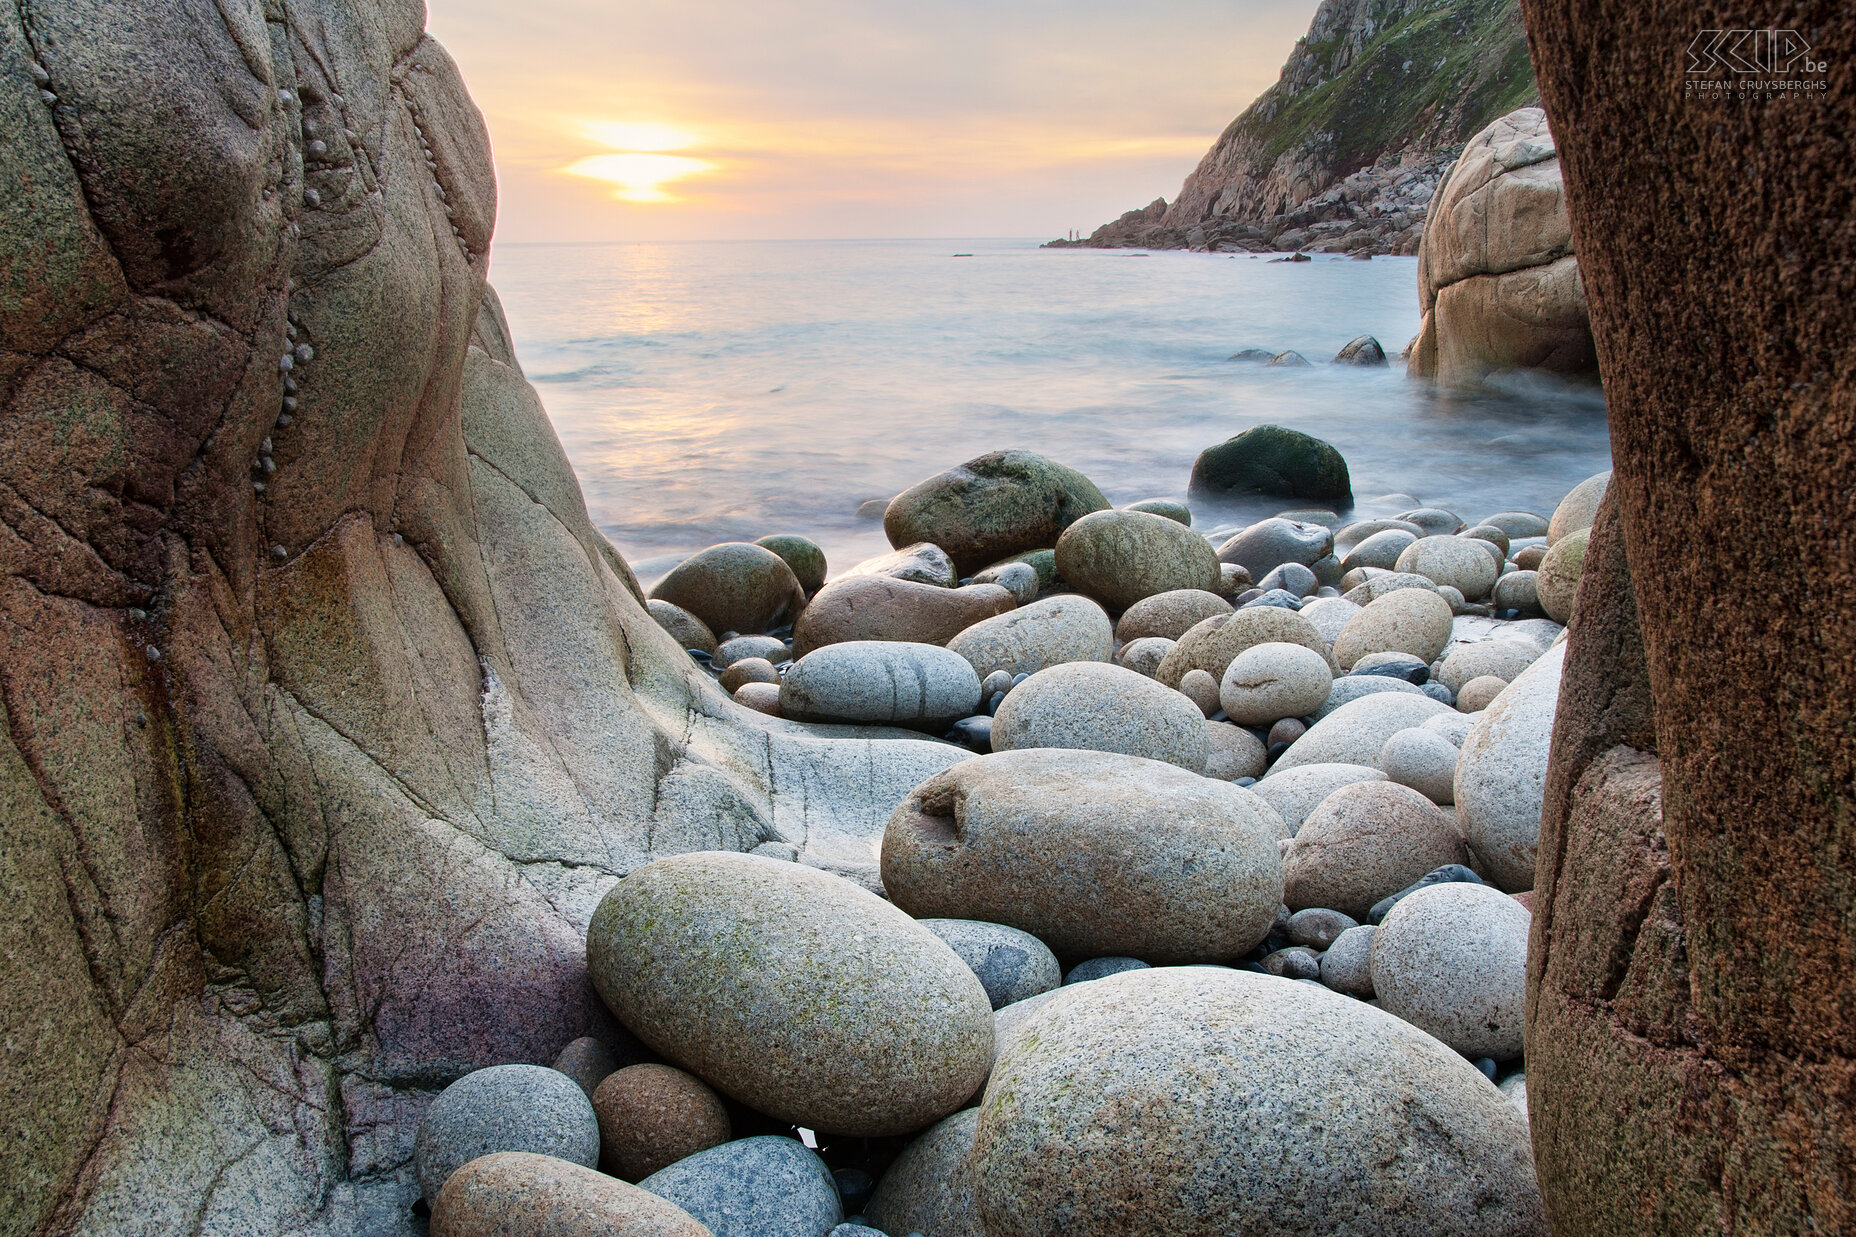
x,y
1342,154
1201,1102
285,650
1497,280
1091,853
992,507
1690,1037
718,961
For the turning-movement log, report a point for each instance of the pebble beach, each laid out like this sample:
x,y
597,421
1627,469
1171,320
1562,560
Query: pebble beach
x,y
1231,861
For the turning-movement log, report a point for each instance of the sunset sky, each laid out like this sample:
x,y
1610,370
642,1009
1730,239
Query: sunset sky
x,y
697,119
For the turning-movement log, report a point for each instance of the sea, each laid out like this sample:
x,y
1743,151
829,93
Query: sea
x,y
722,391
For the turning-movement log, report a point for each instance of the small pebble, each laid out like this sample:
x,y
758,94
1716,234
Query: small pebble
x,y
1479,693
1438,876
1293,962
1318,927
1285,732
974,732
1201,688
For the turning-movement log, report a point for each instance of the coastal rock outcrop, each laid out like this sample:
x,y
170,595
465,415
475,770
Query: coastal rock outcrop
x,y
1344,152
1692,972
302,619
1498,284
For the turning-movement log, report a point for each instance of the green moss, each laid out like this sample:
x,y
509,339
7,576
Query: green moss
x,y
1469,65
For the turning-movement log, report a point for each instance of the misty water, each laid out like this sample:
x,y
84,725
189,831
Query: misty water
x,y
721,391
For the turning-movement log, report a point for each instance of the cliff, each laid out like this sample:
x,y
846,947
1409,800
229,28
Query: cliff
x,y
1344,152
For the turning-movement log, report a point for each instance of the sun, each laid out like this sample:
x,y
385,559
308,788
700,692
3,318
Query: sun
x,y
639,168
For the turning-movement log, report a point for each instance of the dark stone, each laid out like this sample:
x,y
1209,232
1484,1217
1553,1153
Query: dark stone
x,y
1101,968
974,732
1416,675
1450,872
1487,1066
1292,578
1290,359
1272,459
1293,962
1253,356
1281,598
1363,350
855,1186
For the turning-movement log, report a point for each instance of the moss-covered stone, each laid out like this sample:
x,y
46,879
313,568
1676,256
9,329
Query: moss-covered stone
x,y
1273,459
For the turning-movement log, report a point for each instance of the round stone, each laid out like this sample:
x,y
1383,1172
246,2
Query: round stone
x,y
1234,752
802,554
1452,726
1270,681
519,1192
1200,1102
1273,459
929,1189
741,648
718,961
1213,644
1422,760
1291,578
1202,689
1518,590
1268,544
685,628
1435,521
1479,693
1171,508
1502,658
1035,637
761,697
1296,792
1318,927
587,1061
503,1108
1364,842
1351,687
1170,614
1380,550
881,682
1527,558
1092,853
1018,579
1101,968
1347,964
1102,708
988,508
1011,965
748,670
1144,656
1295,962
1350,536
1286,731
1490,535
1121,557
1501,776
755,1187
735,586
1379,584
924,563
1517,523
651,1116
1557,582
885,608
1411,621
1356,732
1452,961
1578,509
1330,616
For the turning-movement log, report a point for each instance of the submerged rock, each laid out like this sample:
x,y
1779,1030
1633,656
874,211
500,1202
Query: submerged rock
x,y
1272,459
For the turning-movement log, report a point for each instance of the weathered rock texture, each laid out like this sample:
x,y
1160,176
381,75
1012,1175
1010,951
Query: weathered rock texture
x,y
1497,280
326,716
1344,152
1692,987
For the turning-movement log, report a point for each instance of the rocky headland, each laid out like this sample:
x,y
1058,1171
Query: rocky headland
x,y
1344,152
